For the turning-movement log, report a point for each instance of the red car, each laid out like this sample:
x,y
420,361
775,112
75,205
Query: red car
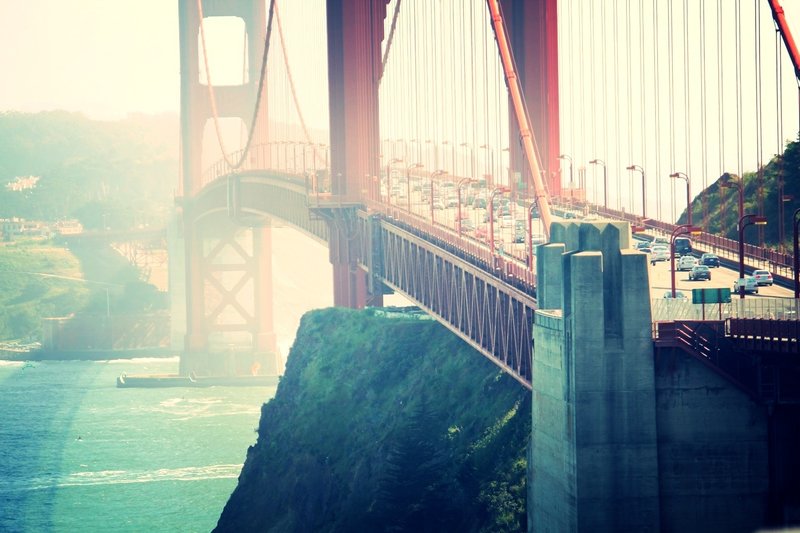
x,y
763,277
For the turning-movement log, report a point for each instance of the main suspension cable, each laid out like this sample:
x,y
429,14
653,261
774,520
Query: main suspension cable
x,y
212,96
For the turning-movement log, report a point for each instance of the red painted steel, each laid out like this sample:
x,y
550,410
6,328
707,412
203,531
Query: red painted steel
x,y
526,135
786,35
533,32
355,33
206,296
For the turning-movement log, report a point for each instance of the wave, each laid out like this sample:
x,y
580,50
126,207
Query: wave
x,y
3,362
144,360
118,477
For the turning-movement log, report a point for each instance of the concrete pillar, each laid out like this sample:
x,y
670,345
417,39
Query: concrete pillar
x,y
594,441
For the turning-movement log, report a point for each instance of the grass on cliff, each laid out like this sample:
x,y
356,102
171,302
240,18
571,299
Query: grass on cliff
x,y
385,424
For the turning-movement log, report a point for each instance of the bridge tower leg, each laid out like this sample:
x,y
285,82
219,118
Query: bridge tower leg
x,y
355,32
594,442
203,241
533,29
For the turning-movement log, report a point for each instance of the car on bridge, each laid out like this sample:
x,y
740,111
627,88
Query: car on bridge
x,y
686,262
749,282
660,253
710,260
763,277
700,272
678,295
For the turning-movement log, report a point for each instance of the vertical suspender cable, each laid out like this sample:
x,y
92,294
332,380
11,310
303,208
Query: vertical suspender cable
x,y
738,40
580,153
657,90
486,132
704,112
604,105
593,107
759,121
628,110
616,103
671,62
779,148
642,94
721,115
686,99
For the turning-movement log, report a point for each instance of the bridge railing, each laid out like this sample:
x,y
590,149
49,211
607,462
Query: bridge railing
x,y
759,256
666,309
508,268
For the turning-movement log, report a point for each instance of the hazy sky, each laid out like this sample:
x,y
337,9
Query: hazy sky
x,y
105,58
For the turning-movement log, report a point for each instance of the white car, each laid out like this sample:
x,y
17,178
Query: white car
x,y
659,254
763,277
686,262
749,282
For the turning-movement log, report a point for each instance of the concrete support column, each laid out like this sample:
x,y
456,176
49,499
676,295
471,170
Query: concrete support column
x,y
594,442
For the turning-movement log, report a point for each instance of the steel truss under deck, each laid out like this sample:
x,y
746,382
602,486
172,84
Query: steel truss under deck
x,y
494,317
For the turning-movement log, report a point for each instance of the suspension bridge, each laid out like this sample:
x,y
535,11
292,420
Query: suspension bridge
x,y
494,163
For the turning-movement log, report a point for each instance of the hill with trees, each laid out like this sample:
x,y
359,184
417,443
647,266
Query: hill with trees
x,y
121,173
720,214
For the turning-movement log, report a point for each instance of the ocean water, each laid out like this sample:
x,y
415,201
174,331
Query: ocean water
x,y
79,454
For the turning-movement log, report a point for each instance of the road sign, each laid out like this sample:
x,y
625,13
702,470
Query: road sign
x,y
711,296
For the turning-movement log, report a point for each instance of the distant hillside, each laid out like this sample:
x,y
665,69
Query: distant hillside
x,y
385,424
724,219
120,173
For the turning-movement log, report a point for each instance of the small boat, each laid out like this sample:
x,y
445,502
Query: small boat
x,y
175,380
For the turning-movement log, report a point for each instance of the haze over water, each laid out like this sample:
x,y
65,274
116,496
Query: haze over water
x,y
78,454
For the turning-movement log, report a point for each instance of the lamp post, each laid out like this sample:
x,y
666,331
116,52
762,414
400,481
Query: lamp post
x,y
727,183
680,230
795,259
472,158
408,181
639,169
744,221
460,184
490,153
435,174
530,235
491,214
568,158
571,181
389,178
683,176
605,180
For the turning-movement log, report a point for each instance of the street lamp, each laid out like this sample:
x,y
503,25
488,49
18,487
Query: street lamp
x,y
683,176
744,221
637,168
605,180
568,158
680,230
727,183
435,173
460,184
530,235
472,157
389,178
408,181
796,260
491,214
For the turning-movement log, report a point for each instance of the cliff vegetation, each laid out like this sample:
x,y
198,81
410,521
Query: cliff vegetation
x,y
385,421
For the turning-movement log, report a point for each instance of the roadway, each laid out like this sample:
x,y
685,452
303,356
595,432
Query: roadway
x,y
721,277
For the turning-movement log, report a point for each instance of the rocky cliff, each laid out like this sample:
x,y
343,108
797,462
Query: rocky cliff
x,y
385,421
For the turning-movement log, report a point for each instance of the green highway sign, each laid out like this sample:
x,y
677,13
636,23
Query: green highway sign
x,y
711,296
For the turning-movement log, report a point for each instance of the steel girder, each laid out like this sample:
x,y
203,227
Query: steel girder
x,y
491,315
